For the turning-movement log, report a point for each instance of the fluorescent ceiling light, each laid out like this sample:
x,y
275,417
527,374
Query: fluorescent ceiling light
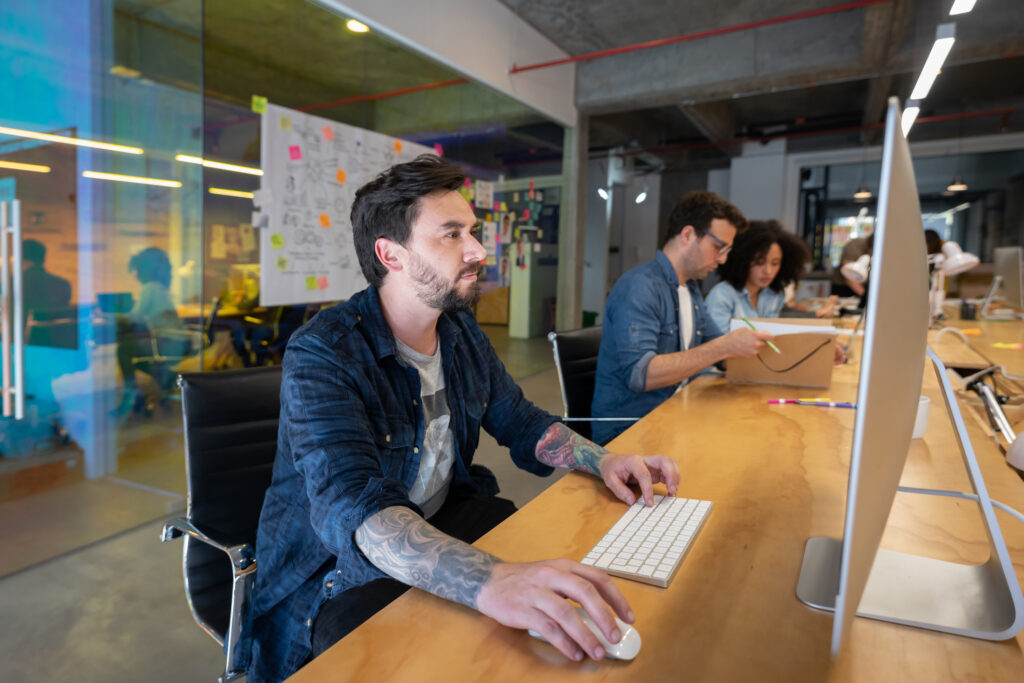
x,y
909,116
216,164
945,36
602,193
961,7
15,166
69,140
356,26
130,179
641,197
231,193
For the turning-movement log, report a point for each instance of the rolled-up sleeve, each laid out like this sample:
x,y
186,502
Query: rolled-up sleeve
x,y
333,449
635,329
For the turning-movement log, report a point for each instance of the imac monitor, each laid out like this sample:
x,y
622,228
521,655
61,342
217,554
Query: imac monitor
x,y
853,575
1009,267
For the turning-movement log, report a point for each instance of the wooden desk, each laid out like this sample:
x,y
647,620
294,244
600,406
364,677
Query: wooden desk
x,y
777,475
979,352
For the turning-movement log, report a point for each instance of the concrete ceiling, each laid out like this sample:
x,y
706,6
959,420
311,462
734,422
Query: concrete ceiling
x,y
823,79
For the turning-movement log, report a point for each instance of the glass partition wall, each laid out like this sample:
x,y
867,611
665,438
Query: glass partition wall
x,y
129,140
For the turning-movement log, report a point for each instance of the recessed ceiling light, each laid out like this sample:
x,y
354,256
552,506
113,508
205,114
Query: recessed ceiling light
x,y
356,26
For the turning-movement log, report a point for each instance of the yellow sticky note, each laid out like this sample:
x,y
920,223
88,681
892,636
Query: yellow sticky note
x,y
259,104
504,206
282,263
311,282
515,196
285,122
276,241
325,220
398,146
487,217
340,176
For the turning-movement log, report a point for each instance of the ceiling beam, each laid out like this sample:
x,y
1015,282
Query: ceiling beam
x,y
885,27
716,121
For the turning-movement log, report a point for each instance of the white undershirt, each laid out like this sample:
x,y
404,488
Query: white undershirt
x,y
685,318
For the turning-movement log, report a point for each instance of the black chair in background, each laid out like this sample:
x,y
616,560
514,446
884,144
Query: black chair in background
x,y
230,440
576,360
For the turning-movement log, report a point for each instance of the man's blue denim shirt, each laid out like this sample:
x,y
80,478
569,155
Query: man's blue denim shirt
x,y
350,436
641,321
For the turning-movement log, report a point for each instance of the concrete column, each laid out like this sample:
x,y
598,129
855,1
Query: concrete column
x,y
571,232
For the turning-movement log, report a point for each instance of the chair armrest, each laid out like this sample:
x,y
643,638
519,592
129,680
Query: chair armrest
x,y
241,555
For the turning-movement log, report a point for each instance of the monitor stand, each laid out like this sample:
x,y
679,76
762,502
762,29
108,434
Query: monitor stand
x,y
979,601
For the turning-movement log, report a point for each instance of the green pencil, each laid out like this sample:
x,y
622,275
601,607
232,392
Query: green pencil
x,y
771,346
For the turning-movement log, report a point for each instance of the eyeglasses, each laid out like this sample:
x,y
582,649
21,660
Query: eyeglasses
x,y
723,247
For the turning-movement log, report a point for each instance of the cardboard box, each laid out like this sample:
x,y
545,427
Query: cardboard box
x,y
806,360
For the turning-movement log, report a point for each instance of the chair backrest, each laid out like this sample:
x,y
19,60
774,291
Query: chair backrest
x,y
230,441
576,360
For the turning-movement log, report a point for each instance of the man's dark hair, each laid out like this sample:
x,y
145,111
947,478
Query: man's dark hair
x,y
33,251
151,265
698,209
753,244
388,205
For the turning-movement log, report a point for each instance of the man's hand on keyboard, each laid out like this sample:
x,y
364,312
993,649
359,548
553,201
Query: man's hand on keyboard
x,y
532,595
620,471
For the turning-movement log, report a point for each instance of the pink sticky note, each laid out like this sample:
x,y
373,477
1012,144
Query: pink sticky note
x,y
321,282
294,152
526,213
497,206
328,132
438,149
467,182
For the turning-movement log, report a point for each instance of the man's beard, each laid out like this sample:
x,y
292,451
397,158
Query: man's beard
x,y
435,292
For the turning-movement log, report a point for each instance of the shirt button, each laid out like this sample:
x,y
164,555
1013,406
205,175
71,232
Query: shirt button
x,y
309,623
329,584
359,317
387,438
415,449
415,402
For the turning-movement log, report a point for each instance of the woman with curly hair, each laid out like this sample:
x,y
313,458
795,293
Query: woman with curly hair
x,y
763,261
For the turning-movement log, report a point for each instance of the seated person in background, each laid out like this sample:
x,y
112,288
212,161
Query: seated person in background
x,y
382,401
655,324
152,315
41,289
764,259
853,250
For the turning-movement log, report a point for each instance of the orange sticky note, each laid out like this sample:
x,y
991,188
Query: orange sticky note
x,y
328,132
340,176
398,146
325,220
321,282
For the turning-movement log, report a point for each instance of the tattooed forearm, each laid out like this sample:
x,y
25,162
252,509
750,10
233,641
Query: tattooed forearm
x,y
403,545
562,447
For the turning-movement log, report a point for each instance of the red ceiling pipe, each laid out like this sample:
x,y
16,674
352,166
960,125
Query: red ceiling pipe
x,y
700,34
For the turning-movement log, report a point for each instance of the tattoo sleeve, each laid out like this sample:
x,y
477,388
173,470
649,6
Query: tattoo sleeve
x,y
562,447
403,545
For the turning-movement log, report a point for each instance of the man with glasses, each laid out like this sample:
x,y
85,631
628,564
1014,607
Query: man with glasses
x,y
654,335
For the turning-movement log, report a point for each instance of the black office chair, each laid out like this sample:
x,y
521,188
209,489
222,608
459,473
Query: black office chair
x,y
230,440
576,360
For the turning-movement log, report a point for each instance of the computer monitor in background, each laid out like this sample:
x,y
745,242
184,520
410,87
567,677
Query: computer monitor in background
x,y
1009,266
853,575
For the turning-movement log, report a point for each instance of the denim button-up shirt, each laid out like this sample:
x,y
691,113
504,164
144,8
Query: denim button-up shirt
x,y
725,302
349,445
641,321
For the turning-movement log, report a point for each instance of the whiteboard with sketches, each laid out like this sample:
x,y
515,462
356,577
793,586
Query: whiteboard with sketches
x,y
312,168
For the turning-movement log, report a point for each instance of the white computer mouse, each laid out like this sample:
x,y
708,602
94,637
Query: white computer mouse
x,y
629,643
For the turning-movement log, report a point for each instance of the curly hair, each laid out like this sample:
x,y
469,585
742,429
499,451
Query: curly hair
x,y
388,205
698,209
753,244
151,265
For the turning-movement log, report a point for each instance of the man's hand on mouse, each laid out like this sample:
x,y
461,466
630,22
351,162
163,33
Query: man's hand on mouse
x,y
620,471
532,595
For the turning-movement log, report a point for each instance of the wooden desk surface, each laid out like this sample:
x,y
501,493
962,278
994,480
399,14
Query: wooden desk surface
x,y
982,336
777,475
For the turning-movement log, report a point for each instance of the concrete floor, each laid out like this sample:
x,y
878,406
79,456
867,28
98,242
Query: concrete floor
x,y
116,610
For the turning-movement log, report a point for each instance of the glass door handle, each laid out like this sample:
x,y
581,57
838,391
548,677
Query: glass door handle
x,y
12,301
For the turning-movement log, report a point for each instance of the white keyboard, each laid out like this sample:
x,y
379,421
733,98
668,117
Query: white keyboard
x,y
648,544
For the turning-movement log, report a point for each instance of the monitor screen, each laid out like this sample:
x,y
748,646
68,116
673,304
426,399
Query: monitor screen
x,y
1009,265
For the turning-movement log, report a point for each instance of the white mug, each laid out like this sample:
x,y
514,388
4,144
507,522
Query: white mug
x,y
921,422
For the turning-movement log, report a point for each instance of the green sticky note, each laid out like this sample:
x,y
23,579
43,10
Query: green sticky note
x,y
311,282
276,241
282,263
259,104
